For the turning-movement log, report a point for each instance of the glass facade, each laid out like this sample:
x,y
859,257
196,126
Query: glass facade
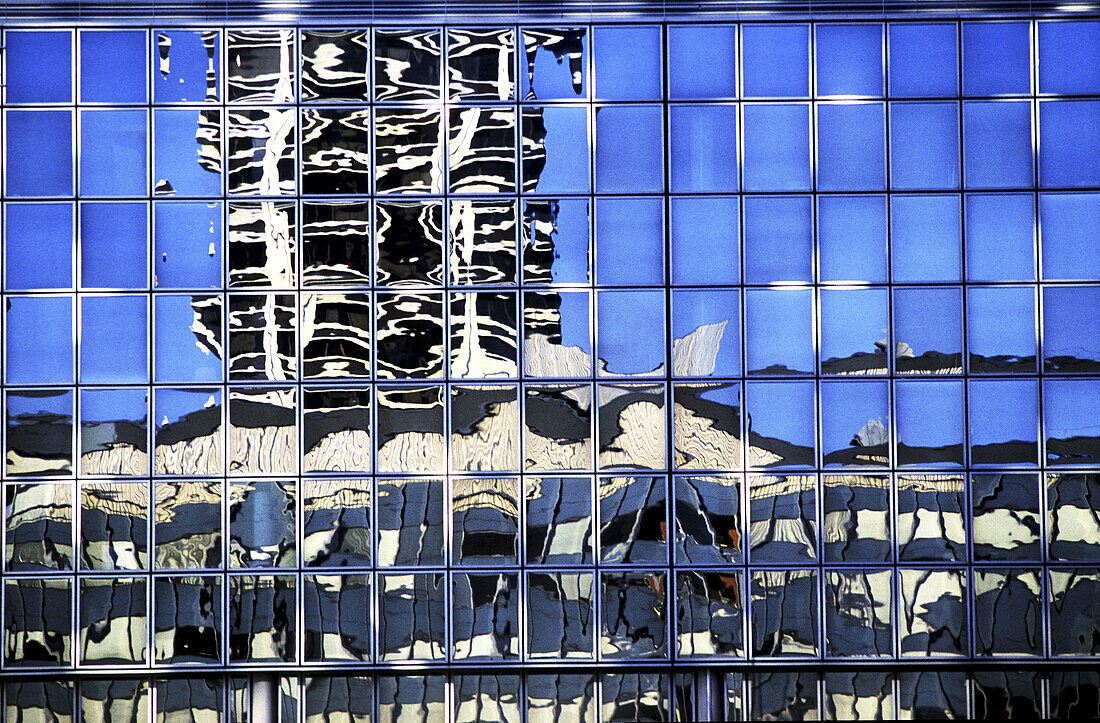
x,y
583,370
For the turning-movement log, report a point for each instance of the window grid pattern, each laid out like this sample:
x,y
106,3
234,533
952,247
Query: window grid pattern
x,y
689,347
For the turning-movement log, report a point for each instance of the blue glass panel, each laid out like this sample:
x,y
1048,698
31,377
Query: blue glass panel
x,y
1004,421
628,62
38,66
776,61
705,239
997,152
187,247
39,149
851,147
851,236
854,324
996,58
1069,57
629,149
849,59
926,240
1069,143
928,330
1070,410
39,246
924,145
1071,329
702,61
855,423
186,62
781,423
569,234
182,154
1000,237
778,239
930,423
554,63
777,147
631,331
715,315
924,60
565,143
1069,226
109,232
779,331
113,344
112,66
179,354
703,148
1000,329
39,340
630,241
113,153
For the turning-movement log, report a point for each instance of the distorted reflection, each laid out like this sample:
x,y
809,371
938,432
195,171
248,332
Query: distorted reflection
x,y
485,616
261,245
262,524
262,618
708,520
410,522
782,518
188,431
37,616
113,624
931,517
410,336
412,616
262,331
334,65
563,605
38,527
559,520
188,64
262,431
114,525
409,243
631,426
262,65
1006,516
337,614
859,613
336,529
335,243
485,521
784,615
484,428
557,427
634,615
336,335
484,331
336,429
479,64
260,151
411,432
114,427
188,620
408,150
407,64
335,151
862,695
709,613
1008,612
482,241
39,438
481,150
856,522
633,526
187,524
349,698
933,613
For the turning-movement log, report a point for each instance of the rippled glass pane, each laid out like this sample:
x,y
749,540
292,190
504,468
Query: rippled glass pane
x,y
262,524
853,328
563,606
37,623
1003,429
119,699
780,424
262,65
1005,523
784,613
558,427
932,694
407,64
631,426
485,521
708,520
555,239
635,696
187,620
346,697
931,517
482,243
187,152
782,518
262,618
262,432
412,615
336,528
39,432
334,65
554,63
710,614
857,518
410,336
114,426
336,430
558,516
411,431
632,519
484,332
1074,629
557,334
188,64
188,434
187,245
262,331
1008,612
855,424
481,150
635,617
485,616
1071,329
933,619
928,330
410,522
337,615
409,243
187,530
260,151
1073,530
1008,694
631,337
484,428
707,426
859,695
479,64
335,151
555,149
408,150
335,243
38,527
553,696
859,618
114,525
113,625
189,696
420,697
336,336
486,697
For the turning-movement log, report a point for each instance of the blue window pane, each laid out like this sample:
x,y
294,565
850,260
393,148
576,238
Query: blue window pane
x,y
566,224
928,331
1069,143
997,152
39,340
924,145
1070,410
631,332
39,66
779,331
113,153
926,241
849,59
38,242
854,324
930,423
186,161
180,355
1004,416
703,148
629,149
1069,225
628,63
112,66
777,147
1069,57
39,153
186,63
855,423
1000,237
705,239
113,339
923,60
996,58
1071,329
782,420
851,233
630,241
776,61
1000,329
851,147
778,239
109,232
554,66
710,319
187,248
702,61
561,166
